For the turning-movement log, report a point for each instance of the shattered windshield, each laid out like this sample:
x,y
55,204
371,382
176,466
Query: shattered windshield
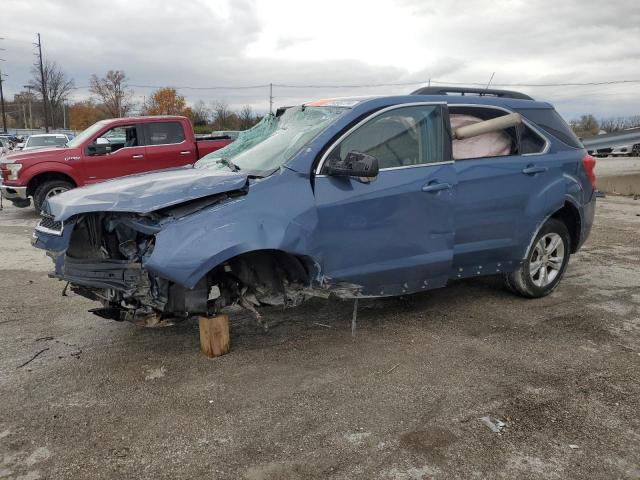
x,y
273,141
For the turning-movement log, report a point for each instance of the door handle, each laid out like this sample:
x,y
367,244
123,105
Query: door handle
x,y
137,157
186,152
434,187
533,169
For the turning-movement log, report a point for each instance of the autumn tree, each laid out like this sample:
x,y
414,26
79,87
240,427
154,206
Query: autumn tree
x,y
166,101
113,92
58,87
84,114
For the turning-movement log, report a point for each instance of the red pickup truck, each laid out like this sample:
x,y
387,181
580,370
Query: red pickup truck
x,y
105,150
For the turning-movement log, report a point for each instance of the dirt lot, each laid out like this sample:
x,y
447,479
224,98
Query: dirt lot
x,y
403,401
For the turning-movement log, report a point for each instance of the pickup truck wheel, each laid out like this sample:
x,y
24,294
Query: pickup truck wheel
x,y
47,190
545,264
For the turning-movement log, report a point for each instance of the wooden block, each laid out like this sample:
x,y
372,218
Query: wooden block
x,y
214,335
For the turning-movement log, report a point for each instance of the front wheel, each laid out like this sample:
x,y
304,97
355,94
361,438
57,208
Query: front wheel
x,y
47,190
545,264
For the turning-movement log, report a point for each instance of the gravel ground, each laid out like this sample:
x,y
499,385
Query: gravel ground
x,y
107,400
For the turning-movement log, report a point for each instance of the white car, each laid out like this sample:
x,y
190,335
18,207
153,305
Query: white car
x,y
46,140
4,147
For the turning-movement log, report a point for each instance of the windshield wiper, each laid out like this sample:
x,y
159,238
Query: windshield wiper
x,y
228,163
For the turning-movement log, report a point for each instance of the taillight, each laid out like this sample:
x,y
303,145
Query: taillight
x,y
589,165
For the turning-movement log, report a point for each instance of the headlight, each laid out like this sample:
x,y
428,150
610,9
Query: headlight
x,y
13,168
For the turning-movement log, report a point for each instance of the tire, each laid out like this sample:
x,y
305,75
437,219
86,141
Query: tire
x,y
49,189
550,252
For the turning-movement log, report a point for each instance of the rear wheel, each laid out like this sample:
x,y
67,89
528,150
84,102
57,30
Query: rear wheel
x,y
47,190
545,264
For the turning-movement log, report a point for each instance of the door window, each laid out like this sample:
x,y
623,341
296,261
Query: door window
x,y
120,137
163,133
400,137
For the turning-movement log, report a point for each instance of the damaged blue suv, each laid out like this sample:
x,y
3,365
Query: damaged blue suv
x,y
355,197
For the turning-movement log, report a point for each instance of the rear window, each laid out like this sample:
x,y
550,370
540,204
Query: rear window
x,y
551,122
162,133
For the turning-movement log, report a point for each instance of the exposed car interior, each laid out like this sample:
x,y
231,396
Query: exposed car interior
x,y
518,140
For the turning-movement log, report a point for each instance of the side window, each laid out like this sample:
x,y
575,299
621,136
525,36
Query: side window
x,y
530,141
120,137
162,133
519,140
398,138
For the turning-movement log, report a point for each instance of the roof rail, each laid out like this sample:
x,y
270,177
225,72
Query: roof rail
x,y
490,92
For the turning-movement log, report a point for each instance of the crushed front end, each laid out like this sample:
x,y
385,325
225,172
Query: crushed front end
x,y
103,256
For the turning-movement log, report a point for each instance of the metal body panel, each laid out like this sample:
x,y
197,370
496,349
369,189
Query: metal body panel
x,y
144,193
277,213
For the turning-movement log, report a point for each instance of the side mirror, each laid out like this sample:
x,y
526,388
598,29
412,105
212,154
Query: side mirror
x,y
357,164
100,146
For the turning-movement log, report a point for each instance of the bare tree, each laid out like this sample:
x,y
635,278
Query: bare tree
x,y
247,118
200,113
58,86
113,92
619,123
222,116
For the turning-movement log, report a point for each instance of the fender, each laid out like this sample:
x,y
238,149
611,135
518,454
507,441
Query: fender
x,y
547,202
31,171
188,248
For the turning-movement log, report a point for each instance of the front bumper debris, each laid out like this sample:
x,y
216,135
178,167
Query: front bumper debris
x,y
14,193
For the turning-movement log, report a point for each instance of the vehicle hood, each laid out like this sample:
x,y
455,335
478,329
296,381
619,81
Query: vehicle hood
x,y
146,192
37,154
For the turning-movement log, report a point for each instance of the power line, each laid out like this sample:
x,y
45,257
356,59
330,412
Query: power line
x,y
572,84
186,87
478,84
376,85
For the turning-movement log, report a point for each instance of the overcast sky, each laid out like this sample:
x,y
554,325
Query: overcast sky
x,y
204,43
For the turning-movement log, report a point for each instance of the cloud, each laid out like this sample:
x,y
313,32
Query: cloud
x,y
246,43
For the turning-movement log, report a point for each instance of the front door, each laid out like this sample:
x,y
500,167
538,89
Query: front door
x,y
125,155
394,234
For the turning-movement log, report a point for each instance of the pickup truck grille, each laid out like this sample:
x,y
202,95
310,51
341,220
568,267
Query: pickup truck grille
x,y
49,225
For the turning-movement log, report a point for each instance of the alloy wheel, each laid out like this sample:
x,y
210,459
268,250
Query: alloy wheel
x,y
547,259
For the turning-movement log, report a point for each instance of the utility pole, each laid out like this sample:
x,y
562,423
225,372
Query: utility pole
x,y
271,98
4,114
43,84
29,87
64,115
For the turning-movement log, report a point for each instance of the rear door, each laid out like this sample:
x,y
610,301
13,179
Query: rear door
x,y
167,145
393,234
494,199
